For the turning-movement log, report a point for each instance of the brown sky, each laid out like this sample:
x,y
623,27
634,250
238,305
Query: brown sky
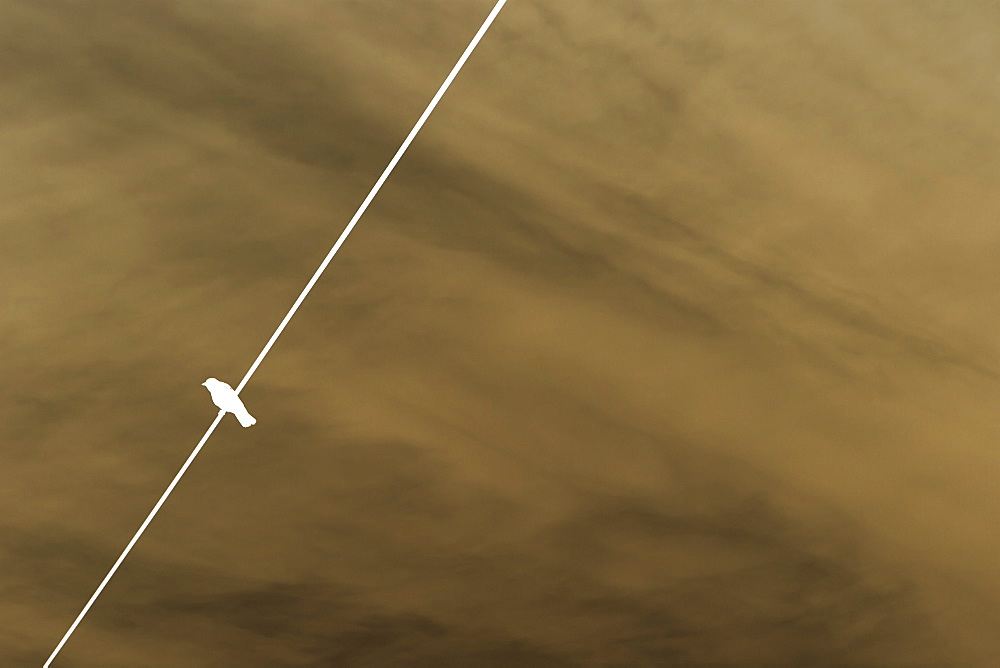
x,y
670,342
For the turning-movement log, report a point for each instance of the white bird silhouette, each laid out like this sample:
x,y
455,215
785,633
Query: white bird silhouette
x,y
225,397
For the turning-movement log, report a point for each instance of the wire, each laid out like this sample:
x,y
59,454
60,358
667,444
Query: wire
x,y
135,538
374,190
274,337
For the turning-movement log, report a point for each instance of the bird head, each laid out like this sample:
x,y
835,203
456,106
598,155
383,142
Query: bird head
x,y
210,381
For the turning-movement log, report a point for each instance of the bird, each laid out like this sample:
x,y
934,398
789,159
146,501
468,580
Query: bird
x,y
225,397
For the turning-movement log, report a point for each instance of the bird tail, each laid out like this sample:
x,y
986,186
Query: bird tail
x,y
245,418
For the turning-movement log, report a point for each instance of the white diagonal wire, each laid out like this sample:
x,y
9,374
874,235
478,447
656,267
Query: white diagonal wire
x,y
274,337
135,538
374,190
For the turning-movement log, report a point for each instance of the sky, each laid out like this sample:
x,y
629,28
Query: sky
x,y
670,340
